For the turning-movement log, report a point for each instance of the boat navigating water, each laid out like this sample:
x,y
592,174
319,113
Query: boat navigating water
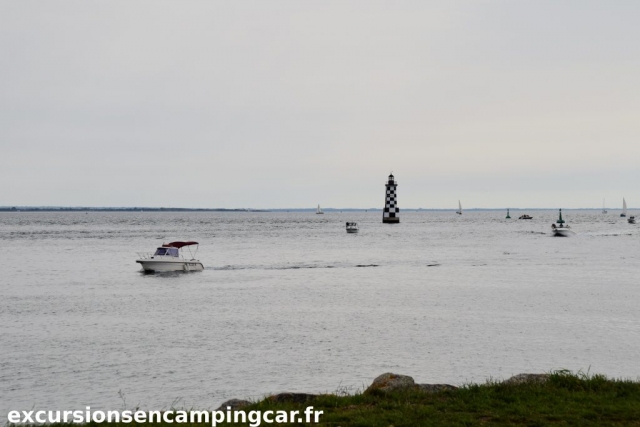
x,y
266,268
352,227
319,211
459,211
561,230
170,257
631,220
624,208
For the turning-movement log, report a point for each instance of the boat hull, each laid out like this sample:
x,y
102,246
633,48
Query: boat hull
x,y
170,265
562,232
352,231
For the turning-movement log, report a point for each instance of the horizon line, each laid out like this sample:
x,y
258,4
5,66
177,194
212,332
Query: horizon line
x,y
13,208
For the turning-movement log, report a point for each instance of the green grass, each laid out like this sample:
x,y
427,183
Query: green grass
x,y
565,400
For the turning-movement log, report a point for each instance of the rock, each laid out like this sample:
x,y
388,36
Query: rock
x,y
293,397
389,382
527,378
435,388
234,404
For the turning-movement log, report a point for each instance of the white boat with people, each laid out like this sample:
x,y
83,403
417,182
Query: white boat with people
x,y
170,257
319,211
624,208
561,230
631,219
352,227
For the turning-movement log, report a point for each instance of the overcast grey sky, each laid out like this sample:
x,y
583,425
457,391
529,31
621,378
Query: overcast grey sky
x,y
293,103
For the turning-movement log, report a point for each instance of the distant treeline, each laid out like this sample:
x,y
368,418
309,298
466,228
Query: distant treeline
x,y
139,209
87,209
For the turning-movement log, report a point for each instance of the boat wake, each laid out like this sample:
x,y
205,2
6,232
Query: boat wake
x,y
289,267
607,234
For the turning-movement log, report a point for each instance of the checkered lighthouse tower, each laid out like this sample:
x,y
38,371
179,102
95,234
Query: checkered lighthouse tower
x,y
391,213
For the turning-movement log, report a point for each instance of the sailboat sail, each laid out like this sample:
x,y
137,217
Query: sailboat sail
x,y
604,210
459,211
624,207
319,211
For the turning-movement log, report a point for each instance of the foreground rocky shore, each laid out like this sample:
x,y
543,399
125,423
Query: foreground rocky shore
x,y
384,383
557,398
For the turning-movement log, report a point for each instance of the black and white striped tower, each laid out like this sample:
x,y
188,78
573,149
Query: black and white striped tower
x,y
391,214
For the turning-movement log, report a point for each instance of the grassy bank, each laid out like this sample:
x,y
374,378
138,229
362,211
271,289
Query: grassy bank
x,y
564,400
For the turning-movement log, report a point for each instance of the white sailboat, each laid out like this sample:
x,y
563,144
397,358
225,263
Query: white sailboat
x,y
459,211
319,211
604,210
624,208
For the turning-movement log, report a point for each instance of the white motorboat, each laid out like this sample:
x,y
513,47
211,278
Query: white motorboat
x,y
631,220
561,230
319,211
352,227
170,257
459,211
624,208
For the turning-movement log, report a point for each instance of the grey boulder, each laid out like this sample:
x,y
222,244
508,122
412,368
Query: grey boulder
x,y
527,378
390,382
234,404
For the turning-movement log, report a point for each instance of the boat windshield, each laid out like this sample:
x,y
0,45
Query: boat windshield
x,y
167,252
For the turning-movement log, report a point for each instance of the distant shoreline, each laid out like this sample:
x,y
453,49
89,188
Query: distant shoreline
x,y
106,209
153,209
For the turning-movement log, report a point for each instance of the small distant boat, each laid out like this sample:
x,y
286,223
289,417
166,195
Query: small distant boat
x,y
561,230
169,257
352,227
604,210
319,211
508,216
631,220
459,211
624,208
525,216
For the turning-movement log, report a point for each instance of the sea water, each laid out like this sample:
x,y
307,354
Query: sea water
x,y
291,302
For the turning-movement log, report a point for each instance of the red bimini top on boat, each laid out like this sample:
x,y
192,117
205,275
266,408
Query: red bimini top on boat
x,y
178,244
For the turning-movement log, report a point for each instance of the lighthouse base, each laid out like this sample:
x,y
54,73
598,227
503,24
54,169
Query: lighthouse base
x,y
394,220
